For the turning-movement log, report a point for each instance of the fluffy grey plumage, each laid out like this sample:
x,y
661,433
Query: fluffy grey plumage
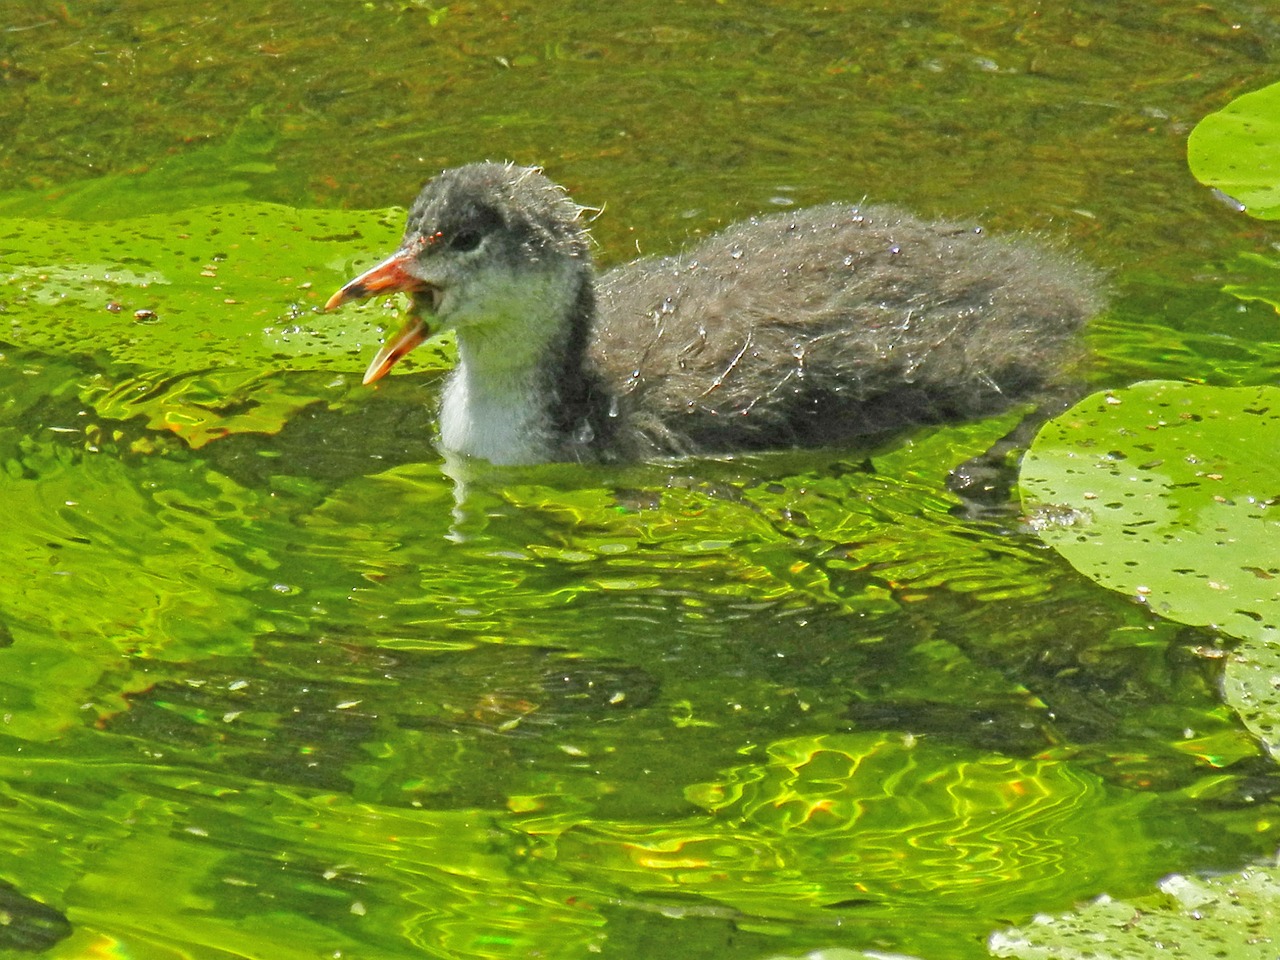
x,y
802,327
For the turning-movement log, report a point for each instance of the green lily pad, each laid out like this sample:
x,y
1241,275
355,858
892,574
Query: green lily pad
x,y
1237,150
236,285
191,316
183,305
1170,493
1235,916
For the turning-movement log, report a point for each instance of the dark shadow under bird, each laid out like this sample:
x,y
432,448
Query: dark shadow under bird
x,y
807,327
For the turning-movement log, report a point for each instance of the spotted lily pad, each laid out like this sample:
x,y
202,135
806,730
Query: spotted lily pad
x,y
1170,493
233,285
1237,150
1236,916
189,314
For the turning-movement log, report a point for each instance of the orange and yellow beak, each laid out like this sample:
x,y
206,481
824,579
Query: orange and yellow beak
x,y
390,276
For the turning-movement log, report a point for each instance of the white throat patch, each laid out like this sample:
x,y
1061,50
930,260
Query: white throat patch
x,y
495,403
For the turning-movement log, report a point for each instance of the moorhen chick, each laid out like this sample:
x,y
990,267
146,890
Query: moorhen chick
x,y
798,328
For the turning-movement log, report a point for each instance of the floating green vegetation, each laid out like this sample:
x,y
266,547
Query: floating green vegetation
x,y
1237,150
1170,493
1234,916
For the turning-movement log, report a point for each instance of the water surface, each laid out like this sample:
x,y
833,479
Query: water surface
x,y
267,691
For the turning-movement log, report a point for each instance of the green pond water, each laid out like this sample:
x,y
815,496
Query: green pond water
x,y
272,685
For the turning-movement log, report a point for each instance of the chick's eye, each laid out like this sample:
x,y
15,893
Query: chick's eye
x,y
465,240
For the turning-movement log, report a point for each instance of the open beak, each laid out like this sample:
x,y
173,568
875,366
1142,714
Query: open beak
x,y
390,276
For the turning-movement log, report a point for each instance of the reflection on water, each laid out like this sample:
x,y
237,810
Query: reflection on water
x,y
786,700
